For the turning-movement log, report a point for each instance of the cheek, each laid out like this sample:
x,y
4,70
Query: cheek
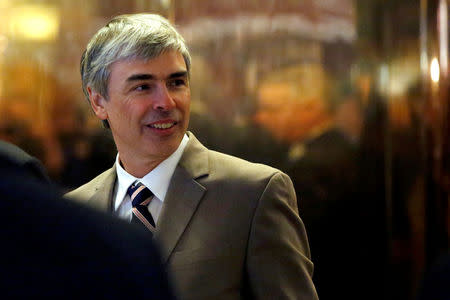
x,y
184,102
135,108
186,106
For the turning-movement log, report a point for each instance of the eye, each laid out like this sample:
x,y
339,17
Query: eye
x,y
142,87
177,82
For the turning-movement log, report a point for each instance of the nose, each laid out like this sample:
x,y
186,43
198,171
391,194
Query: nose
x,y
163,100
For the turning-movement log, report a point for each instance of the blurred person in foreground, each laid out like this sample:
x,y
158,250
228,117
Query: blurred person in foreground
x,y
14,158
228,228
57,248
434,284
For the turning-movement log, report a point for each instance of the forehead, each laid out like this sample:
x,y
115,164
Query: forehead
x,y
159,67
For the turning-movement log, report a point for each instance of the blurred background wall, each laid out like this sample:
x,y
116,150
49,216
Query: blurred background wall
x,y
350,98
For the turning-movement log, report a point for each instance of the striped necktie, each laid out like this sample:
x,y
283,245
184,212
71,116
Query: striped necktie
x,y
140,198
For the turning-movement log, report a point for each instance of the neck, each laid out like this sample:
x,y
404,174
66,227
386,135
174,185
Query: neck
x,y
138,168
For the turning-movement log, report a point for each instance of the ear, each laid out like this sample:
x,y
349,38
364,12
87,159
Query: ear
x,y
98,103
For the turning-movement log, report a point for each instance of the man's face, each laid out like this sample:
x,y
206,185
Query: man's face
x,y
147,106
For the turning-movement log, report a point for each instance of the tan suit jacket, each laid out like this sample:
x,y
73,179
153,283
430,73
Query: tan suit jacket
x,y
228,229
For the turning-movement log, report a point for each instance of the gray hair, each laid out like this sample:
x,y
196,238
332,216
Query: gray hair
x,y
136,36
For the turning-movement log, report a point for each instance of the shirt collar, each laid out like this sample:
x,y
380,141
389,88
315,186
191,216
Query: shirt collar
x,y
156,180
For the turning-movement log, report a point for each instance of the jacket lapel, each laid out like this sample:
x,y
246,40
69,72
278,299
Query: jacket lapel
x,y
183,196
102,195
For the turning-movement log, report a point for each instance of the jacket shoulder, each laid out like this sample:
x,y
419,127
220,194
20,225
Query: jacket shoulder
x,y
86,191
232,165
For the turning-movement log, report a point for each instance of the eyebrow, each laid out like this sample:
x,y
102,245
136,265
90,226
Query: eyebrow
x,y
137,77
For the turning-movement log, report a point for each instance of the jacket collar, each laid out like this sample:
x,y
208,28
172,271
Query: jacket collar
x,y
183,197
103,193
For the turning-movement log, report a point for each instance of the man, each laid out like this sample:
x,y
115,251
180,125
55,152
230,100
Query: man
x,y
57,248
228,229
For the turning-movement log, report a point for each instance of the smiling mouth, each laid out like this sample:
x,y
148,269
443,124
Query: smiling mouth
x,y
162,125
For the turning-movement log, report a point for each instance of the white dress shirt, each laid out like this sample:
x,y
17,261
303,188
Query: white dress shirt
x,y
156,181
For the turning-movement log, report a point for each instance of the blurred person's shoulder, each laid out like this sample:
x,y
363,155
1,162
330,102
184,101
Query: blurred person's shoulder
x,y
13,157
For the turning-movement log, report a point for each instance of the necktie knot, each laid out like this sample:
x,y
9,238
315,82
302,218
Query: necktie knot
x,y
140,198
139,194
